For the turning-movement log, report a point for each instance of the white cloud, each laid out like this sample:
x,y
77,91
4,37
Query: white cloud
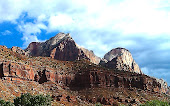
x,y
6,32
10,10
141,26
30,28
30,32
28,39
126,16
41,18
60,22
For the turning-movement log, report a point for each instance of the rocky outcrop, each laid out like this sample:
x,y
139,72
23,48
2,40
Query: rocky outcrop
x,y
61,47
46,75
16,71
18,50
110,79
93,58
34,49
164,86
121,59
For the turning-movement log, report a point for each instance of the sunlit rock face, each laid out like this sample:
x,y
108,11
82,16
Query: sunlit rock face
x,y
121,59
93,58
164,85
61,47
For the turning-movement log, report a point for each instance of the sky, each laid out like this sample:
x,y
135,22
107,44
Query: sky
x,y
141,26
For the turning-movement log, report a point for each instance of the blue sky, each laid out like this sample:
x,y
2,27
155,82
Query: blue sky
x,y
142,26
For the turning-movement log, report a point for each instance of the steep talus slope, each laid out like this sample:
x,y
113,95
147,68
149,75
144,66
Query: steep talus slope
x,y
61,47
121,59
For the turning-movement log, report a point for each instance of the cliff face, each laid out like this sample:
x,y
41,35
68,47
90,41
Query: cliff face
x,y
164,85
93,58
82,77
109,79
61,47
89,82
121,59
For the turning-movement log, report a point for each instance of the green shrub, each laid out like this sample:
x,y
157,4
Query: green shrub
x,y
156,103
29,100
4,103
98,104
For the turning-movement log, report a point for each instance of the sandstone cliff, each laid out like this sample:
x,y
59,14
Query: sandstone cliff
x,y
93,58
164,85
121,59
73,81
61,47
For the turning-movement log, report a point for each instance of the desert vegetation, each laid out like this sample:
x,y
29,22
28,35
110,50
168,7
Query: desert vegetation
x,y
28,100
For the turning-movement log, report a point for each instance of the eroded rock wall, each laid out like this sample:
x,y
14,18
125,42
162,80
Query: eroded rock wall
x,y
108,79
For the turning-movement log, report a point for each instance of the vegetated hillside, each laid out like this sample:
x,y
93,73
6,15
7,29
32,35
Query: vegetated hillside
x,y
73,82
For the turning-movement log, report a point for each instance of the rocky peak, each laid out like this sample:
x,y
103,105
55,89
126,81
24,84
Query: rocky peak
x,y
90,54
58,38
61,47
164,85
115,53
121,59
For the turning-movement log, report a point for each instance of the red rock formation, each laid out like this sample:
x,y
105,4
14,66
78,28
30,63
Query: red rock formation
x,y
34,49
111,79
164,85
88,78
121,59
53,75
16,70
53,52
21,74
93,58
61,47
45,75
67,51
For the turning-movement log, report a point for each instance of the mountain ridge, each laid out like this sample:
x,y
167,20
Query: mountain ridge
x,y
61,47
63,43
78,79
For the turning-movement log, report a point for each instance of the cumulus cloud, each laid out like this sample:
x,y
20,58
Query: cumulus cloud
x,y
10,10
30,28
60,22
30,32
140,26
